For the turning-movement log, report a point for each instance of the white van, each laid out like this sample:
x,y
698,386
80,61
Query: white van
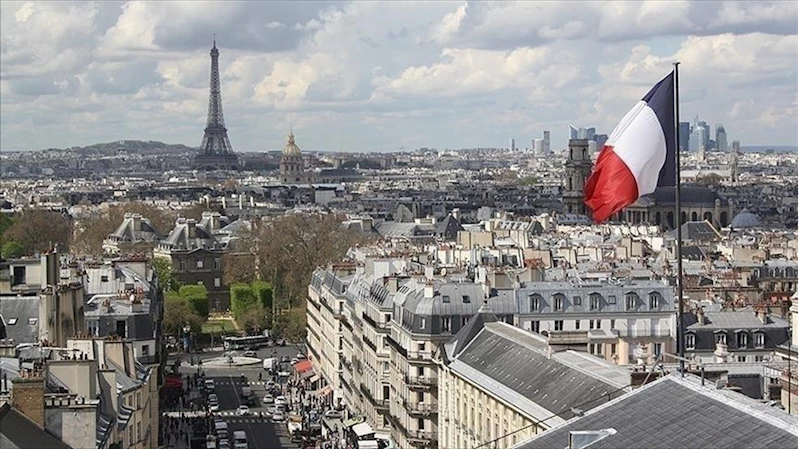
x,y
240,440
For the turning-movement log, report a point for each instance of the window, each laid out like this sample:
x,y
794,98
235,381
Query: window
x,y
654,300
386,367
145,350
446,324
93,327
464,320
138,399
32,321
595,324
535,326
217,282
631,300
421,323
559,325
104,278
466,299
558,302
576,324
743,339
613,324
535,303
199,263
760,340
445,299
138,431
741,358
217,263
12,321
613,349
657,349
690,341
721,338
182,265
595,301
612,299
578,301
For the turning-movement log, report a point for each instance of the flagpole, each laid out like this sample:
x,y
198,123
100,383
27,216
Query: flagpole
x,y
678,220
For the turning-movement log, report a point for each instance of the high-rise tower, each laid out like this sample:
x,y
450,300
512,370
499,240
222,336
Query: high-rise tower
x,y
216,153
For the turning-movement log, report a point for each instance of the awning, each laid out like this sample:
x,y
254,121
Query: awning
x,y
307,374
362,429
351,422
325,391
314,378
302,366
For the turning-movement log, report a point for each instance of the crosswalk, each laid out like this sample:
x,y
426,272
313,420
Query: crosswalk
x,y
238,382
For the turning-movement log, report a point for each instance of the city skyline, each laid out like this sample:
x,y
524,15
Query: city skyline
x,y
369,76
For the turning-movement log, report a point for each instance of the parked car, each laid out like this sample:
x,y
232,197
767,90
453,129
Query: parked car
x,y
270,384
249,354
214,407
285,359
295,361
332,414
278,417
280,400
243,410
301,356
269,399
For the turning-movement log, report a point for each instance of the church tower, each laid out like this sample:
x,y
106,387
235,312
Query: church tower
x,y
292,169
576,171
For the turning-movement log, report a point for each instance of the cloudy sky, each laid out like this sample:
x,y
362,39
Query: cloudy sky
x,y
373,75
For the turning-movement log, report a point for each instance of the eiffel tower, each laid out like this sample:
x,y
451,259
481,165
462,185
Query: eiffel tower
x,y
216,153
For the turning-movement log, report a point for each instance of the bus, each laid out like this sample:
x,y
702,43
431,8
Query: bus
x,y
236,343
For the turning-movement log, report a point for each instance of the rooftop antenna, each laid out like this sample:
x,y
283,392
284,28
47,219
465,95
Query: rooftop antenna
x,y
214,34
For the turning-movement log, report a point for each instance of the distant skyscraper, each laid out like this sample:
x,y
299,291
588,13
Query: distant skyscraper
x,y
600,140
573,132
706,136
734,151
538,147
721,138
685,135
590,133
546,142
513,145
697,141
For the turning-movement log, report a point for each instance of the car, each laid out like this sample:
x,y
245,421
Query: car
x,y
214,407
249,353
332,414
224,444
269,399
278,417
280,400
295,361
301,356
280,342
270,384
285,359
209,384
213,397
243,410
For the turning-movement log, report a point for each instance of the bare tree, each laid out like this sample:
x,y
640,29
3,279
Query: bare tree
x,y
91,232
39,230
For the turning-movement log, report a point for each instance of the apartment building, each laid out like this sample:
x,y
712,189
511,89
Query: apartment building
x,y
620,321
500,385
136,234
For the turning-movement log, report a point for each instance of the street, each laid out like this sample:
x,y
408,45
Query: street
x,y
228,384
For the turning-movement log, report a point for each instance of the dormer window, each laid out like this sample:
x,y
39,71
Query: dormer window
x,y
466,299
558,299
721,338
595,301
742,339
104,278
612,299
578,301
445,299
535,303
760,340
654,300
690,341
630,300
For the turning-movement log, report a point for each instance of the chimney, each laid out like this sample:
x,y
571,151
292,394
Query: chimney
x,y
700,315
27,396
392,284
456,214
721,353
252,201
136,222
191,226
224,202
762,315
429,290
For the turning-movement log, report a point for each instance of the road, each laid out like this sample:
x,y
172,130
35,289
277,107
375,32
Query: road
x,y
261,432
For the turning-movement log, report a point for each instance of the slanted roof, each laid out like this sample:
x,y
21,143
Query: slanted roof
x,y
473,327
19,432
675,412
701,231
20,317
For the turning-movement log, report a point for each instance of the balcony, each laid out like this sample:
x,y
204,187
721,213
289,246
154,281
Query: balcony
x,y
396,346
420,356
369,343
421,436
380,404
644,333
380,327
417,410
421,381
568,337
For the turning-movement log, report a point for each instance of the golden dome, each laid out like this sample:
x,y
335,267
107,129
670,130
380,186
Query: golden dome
x,y
291,148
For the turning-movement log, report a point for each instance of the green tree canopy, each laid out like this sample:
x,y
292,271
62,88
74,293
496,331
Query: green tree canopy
x,y
166,277
11,250
178,313
197,297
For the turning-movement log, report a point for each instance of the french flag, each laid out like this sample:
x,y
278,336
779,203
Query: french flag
x,y
638,157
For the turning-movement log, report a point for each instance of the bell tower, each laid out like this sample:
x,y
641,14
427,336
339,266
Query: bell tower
x,y
577,168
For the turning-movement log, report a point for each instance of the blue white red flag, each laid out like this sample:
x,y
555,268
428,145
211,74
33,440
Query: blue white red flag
x,y
638,157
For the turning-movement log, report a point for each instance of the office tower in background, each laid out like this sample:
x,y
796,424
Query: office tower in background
x,y
538,147
546,142
600,140
697,141
685,135
721,138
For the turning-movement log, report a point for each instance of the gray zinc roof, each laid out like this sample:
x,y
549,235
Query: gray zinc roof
x,y
20,316
527,370
739,319
675,412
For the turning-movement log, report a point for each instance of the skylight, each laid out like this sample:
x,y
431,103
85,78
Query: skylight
x,y
12,321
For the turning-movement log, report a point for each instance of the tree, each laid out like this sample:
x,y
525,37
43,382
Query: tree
x,y
241,298
5,222
253,318
238,268
710,179
38,230
91,232
196,295
196,210
12,250
166,277
178,313
263,291
291,325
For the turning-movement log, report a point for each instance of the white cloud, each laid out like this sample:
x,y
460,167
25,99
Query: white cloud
x,y
364,75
